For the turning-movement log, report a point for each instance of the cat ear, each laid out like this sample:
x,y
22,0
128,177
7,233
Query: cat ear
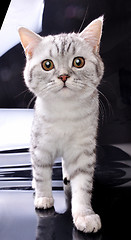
x,y
29,40
92,33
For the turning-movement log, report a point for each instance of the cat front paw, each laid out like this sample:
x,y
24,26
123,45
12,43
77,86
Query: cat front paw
x,y
43,202
88,224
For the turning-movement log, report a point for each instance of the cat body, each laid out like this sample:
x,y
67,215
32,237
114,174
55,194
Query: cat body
x,y
63,71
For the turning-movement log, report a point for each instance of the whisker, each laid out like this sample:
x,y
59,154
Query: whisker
x,y
83,20
51,86
32,99
102,111
110,110
77,81
18,95
108,103
76,84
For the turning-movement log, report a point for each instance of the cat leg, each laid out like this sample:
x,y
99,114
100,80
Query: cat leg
x,y
42,181
33,183
67,186
81,183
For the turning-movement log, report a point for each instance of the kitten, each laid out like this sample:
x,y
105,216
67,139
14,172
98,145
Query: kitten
x,y
64,71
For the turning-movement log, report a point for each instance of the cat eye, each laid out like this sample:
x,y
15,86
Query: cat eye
x,y
78,62
47,65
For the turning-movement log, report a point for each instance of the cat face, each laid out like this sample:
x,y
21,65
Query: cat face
x,y
63,65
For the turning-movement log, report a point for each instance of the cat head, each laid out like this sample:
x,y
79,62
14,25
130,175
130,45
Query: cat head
x,y
63,65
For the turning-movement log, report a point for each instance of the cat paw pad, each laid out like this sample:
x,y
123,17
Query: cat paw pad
x,y
88,224
44,202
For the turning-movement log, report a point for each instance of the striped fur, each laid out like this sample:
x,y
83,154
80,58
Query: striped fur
x,y
66,119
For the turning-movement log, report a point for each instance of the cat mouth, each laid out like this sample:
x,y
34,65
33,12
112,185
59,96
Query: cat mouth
x,y
64,86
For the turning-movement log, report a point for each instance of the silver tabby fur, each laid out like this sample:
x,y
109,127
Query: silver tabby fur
x,y
66,118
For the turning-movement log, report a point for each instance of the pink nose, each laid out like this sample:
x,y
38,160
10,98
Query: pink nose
x,y
64,77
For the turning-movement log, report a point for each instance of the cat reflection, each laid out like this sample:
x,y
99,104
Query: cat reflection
x,y
54,226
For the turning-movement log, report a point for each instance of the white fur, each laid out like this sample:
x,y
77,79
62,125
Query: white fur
x,y
65,122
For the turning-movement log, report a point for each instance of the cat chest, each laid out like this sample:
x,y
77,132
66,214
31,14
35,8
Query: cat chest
x,y
60,134
65,126
64,130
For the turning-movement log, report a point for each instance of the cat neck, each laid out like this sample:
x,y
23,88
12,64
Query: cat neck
x,y
58,107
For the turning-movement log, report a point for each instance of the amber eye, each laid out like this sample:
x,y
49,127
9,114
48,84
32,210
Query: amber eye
x,y
78,62
47,65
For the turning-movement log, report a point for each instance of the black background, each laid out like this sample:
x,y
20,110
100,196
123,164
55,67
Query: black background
x,y
115,97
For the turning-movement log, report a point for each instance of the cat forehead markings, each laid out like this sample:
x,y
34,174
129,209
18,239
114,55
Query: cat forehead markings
x,y
64,43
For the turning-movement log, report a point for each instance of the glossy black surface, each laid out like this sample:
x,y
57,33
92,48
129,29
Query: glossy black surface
x,y
111,199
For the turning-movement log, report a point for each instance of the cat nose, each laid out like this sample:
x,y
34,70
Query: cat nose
x,y
64,77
